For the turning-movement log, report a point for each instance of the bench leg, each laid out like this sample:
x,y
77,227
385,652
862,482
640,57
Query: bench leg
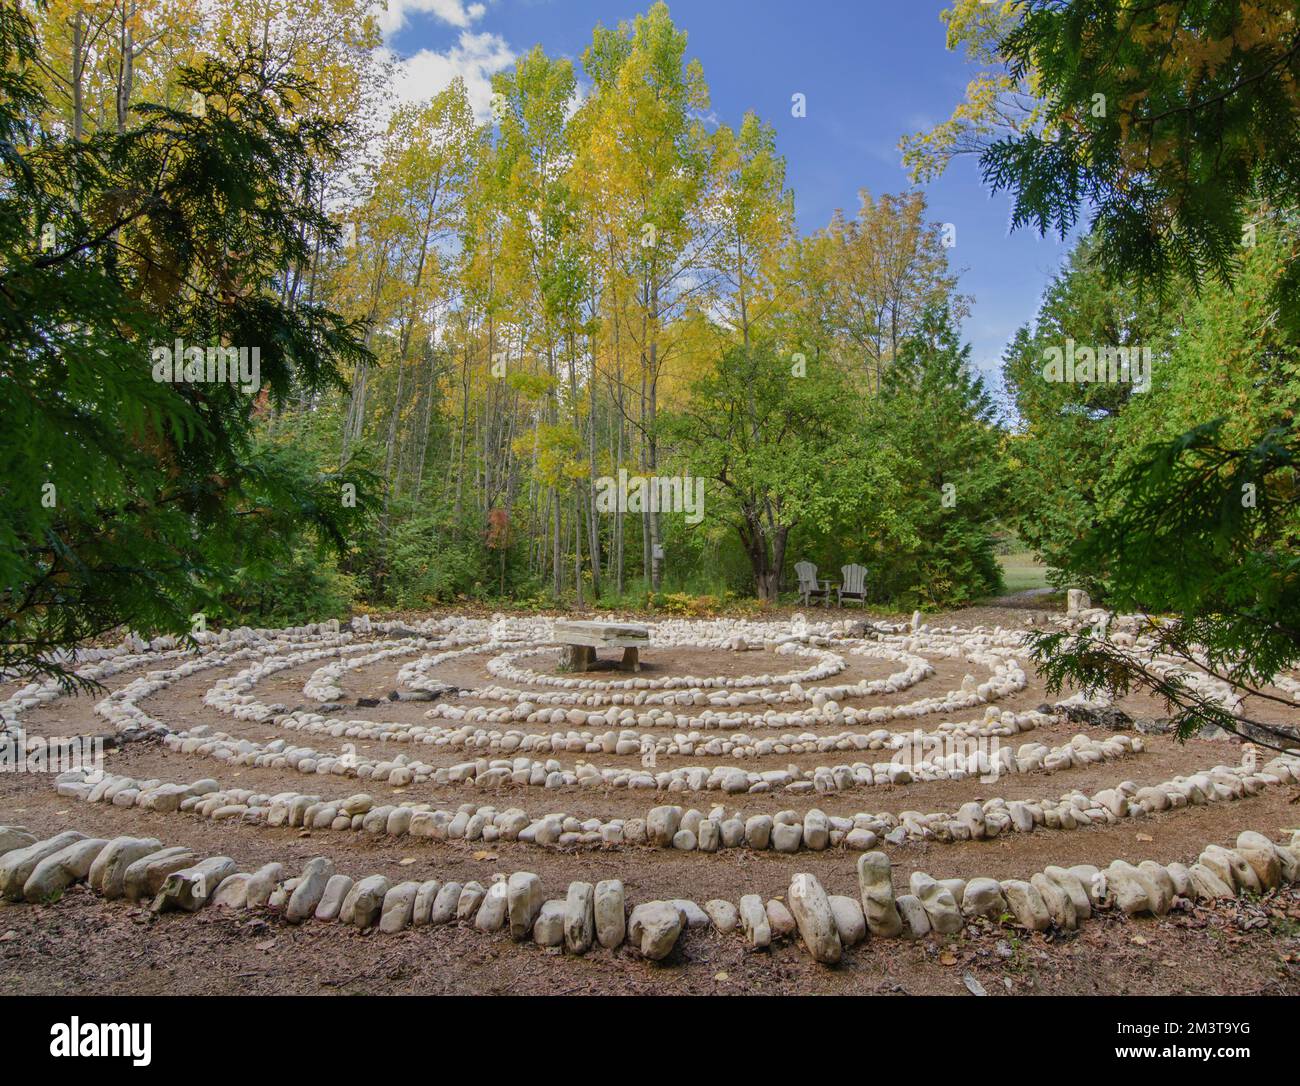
x,y
631,659
576,657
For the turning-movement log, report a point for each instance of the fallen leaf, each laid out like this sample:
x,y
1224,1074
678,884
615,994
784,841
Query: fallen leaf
x,y
722,976
1145,837
266,944
948,958
406,861
973,986
1139,939
483,854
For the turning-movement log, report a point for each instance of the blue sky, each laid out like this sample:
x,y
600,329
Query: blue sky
x,y
871,70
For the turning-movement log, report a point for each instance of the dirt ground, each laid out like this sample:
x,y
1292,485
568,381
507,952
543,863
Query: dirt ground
x,y
84,945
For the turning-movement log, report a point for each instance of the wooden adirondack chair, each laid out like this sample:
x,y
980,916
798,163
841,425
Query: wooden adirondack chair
x,y
809,585
853,586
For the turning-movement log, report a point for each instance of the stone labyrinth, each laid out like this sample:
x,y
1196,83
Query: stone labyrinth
x,y
778,780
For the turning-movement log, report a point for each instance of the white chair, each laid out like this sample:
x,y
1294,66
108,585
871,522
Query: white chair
x,y
853,586
809,585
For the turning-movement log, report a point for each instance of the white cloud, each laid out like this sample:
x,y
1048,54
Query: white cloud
x,y
454,12
475,58
581,92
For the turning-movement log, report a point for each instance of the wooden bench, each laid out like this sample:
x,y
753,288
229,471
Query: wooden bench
x,y
580,640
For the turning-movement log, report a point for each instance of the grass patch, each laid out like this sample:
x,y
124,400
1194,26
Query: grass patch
x,y
1022,571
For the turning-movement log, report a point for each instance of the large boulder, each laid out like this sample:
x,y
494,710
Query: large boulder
x,y
1026,905
107,874
262,883
337,889
365,902
57,872
849,919
654,927
307,895
445,903
812,912
610,913
876,885
939,904
548,930
723,914
662,824
1261,854
144,877
190,888
399,905
17,865
579,917
753,921
424,899
523,900
15,837
491,915
983,897
1059,904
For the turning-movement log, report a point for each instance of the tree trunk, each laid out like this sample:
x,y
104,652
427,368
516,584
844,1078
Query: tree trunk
x,y
593,541
126,69
577,548
766,558
656,551
78,77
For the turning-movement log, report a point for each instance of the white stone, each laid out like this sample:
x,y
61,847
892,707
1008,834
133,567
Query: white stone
x,y
523,900
548,929
610,913
365,901
307,895
849,919
654,927
398,907
723,914
58,871
579,917
876,885
17,865
812,912
753,921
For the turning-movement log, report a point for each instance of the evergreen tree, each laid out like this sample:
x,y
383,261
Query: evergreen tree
x,y
129,494
1180,125
934,422
1065,436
